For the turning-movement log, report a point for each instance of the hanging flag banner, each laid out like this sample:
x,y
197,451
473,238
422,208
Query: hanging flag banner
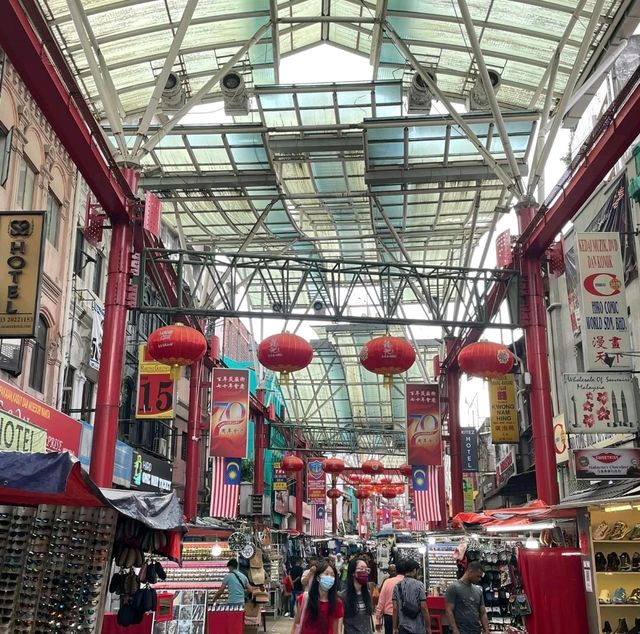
x,y
229,413
21,238
603,303
97,324
560,439
600,403
318,518
505,468
316,482
504,413
469,438
424,432
607,464
155,387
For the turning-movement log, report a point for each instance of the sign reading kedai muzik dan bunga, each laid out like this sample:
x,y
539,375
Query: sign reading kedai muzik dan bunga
x,y
603,304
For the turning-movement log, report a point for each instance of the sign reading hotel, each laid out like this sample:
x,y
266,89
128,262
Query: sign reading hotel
x,y
603,304
424,431
607,464
16,435
469,442
229,413
504,414
155,387
600,403
316,482
21,238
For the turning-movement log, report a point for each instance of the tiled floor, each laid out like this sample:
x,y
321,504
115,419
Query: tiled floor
x,y
281,626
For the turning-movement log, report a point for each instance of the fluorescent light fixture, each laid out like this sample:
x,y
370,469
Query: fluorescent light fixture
x,y
531,542
618,507
431,540
422,549
216,550
515,528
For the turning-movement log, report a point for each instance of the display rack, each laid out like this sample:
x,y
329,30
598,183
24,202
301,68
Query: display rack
x,y
442,568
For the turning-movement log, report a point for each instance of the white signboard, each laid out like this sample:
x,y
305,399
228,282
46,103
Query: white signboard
x,y
96,335
600,403
603,304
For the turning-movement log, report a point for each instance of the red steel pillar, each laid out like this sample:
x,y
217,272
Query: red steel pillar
x,y
534,321
105,429
453,400
299,498
192,476
334,507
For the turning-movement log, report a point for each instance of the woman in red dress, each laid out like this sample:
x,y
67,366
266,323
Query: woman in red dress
x,y
320,610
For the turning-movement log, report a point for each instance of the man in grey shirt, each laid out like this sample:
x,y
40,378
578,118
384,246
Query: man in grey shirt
x,y
410,613
464,604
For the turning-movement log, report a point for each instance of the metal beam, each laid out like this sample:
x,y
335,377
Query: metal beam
x,y
208,180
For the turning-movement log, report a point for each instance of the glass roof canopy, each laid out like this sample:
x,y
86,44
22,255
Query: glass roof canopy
x,y
336,171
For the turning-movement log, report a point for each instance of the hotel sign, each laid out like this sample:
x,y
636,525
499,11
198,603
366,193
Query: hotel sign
x,y
20,266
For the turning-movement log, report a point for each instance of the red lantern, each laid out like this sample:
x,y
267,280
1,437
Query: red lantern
x,y
292,464
396,513
389,492
354,478
486,359
379,513
406,470
385,480
285,353
372,467
333,466
387,356
399,488
334,494
366,479
362,493
176,345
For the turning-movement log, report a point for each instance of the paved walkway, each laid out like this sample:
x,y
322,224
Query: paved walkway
x,y
281,626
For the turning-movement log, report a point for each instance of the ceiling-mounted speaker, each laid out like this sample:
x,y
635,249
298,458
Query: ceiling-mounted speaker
x,y
478,98
234,92
173,95
420,95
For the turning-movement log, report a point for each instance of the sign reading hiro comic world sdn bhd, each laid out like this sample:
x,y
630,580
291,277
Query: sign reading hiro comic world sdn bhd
x,y
610,463
424,432
603,303
229,413
316,482
600,403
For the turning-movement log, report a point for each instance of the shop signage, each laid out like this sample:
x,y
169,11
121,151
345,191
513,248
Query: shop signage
x,y
63,432
504,413
20,267
600,403
155,387
505,468
607,464
424,432
469,437
16,435
316,482
281,502
229,413
603,303
280,478
561,440
150,473
467,488
97,324
123,460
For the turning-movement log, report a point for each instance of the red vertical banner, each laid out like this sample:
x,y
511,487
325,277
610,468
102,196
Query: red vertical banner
x,y
424,430
229,413
155,387
316,482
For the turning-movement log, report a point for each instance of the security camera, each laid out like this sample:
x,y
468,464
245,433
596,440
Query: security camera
x,y
478,99
420,95
234,92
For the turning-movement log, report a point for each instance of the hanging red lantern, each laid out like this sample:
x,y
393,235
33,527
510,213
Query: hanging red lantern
x,y
389,492
366,479
362,493
176,345
486,359
399,488
292,464
385,480
354,478
372,467
333,466
396,513
406,470
285,353
387,356
334,494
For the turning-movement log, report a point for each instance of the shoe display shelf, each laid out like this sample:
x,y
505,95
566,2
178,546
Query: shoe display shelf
x,y
607,582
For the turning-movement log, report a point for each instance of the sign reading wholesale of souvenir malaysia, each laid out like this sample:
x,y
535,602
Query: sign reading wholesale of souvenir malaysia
x,y
605,333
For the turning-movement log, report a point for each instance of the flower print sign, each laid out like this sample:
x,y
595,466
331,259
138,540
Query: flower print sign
x,y
600,403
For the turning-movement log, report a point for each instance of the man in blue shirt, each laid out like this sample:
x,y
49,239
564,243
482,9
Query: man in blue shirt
x,y
236,583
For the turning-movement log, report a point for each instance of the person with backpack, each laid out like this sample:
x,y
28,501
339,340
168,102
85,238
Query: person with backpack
x,y
357,600
410,612
237,584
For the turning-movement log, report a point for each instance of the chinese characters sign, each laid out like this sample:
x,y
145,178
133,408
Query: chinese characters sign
x,y
229,413
316,482
504,414
424,433
280,478
600,403
592,464
603,303
155,387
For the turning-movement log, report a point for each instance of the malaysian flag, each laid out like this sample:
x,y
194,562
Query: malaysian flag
x,y
318,516
417,525
225,487
426,494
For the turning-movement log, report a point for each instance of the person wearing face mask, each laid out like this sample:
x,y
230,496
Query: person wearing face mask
x,y
356,598
320,609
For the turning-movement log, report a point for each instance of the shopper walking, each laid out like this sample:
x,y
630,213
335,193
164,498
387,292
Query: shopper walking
x,y
296,579
410,613
464,604
384,609
236,583
320,610
357,600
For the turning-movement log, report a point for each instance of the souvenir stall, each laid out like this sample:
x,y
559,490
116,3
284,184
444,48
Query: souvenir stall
x,y
58,534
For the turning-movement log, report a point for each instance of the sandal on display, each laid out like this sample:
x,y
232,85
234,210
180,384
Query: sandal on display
x,y
634,597
622,628
601,531
619,596
619,531
604,596
625,562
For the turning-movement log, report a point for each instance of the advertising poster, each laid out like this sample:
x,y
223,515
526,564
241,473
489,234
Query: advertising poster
x,y
155,387
600,403
229,413
504,413
468,495
603,303
424,432
505,468
97,323
21,238
607,464
316,482
189,614
469,444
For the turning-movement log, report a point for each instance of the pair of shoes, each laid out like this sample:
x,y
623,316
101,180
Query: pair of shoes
x,y
634,597
601,531
604,596
619,596
613,562
636,628
622,628
607,628
635,562
619,531
634,535
625,562
601,562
